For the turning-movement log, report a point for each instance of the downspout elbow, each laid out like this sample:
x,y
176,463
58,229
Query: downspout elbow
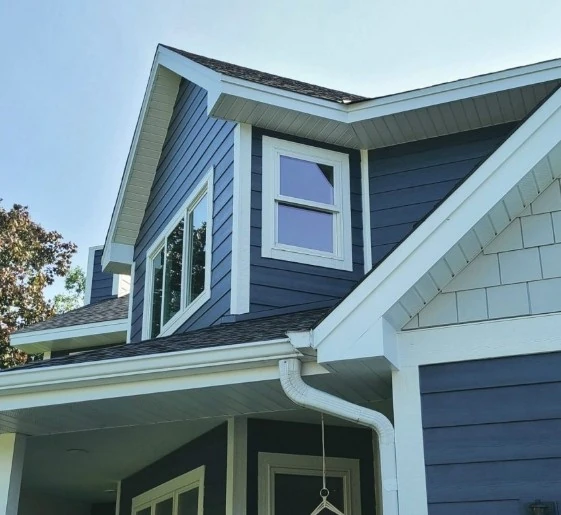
x,y
308,397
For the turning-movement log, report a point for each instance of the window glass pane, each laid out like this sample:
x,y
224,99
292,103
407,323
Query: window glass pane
x,y
197,246
174,262
165,507
300,494
305,228
306,180
157,285
145,511
188,502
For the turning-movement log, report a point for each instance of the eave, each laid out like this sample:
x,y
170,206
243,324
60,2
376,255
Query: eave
x,y
424,113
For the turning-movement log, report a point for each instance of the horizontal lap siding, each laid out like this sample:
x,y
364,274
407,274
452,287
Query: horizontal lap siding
x,y
193,144
209,450
278,284
102,283
408,181
305,439
491,433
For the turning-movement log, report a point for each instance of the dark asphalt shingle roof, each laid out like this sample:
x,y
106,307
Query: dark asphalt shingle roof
x,y
268,79
246,331
111,309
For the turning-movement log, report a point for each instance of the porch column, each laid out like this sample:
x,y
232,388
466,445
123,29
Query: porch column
x,y
12,452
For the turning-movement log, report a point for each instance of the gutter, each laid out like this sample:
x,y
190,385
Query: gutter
x,y
304,395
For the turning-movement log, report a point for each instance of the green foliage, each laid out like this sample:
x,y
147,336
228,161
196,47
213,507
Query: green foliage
x,y
75,285
30,260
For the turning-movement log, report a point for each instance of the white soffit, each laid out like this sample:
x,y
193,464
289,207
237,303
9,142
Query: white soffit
x,y
497,192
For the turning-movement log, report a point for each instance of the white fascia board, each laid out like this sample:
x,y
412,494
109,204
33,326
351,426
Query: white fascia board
x,y
117,258
489,339
282,98
457,90
38,341
440,231
146,374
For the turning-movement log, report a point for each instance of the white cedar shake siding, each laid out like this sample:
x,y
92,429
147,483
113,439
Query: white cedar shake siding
x,y
518,273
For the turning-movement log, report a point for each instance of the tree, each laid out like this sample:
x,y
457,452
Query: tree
x,y
30,259
75,286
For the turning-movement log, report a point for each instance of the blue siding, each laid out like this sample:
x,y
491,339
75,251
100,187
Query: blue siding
x,y
279,284
305,439
408,181
209,450
193,144
491,433
102,283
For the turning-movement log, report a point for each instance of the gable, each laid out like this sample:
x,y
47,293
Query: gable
x,y
518,273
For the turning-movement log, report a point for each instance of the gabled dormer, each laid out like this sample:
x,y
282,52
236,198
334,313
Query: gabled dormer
x,y
247,194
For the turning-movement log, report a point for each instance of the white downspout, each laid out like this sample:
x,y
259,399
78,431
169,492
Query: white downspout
x,y
306,396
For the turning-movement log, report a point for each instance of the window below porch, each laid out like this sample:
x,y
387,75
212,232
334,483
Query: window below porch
x,y
178,265
180,496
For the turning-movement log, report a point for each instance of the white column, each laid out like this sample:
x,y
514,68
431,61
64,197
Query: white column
x,y
12,452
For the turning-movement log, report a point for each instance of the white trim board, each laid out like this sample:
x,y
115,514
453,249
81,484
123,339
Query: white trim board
x,y
44,340
501,172
366,223
236,473
239,294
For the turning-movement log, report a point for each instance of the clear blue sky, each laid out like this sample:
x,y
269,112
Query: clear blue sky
x,y
73,73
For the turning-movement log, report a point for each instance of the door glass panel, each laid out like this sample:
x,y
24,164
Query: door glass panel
x,y
300,494
145,511
188,502
197,226
157,285
305,228
165,507
306,180
174,262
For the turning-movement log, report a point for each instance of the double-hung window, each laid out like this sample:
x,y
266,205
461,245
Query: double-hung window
x,y
178,265
306,204
181,496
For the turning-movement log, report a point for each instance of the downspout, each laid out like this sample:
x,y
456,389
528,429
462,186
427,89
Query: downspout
x,y
304,395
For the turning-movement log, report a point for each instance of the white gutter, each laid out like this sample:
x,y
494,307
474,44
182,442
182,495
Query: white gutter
x,y
306,396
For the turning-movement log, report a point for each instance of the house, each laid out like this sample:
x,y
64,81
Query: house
x,y
282,256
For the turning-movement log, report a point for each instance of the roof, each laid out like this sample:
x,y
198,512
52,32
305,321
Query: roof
x,y
115,308
246,331
268,79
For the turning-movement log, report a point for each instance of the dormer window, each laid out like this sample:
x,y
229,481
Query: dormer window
x,y
306,205
178,265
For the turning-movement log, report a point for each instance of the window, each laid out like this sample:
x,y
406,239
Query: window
x,y
178,265
306,205
290,483
180,496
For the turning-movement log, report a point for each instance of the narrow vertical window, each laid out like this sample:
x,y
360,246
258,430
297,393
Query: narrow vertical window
x,y
178,265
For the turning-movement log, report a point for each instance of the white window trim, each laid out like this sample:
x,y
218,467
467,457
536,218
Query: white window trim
x,y
270,464
342,258
173,488
204,186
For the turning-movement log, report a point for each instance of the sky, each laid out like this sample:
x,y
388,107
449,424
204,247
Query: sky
x,y
74,72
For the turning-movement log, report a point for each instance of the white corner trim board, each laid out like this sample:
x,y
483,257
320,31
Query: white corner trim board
x,y
503,170
239,296
365,193
236,466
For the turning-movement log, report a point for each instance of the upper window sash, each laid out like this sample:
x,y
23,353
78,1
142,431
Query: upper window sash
x,y
187,305
340,255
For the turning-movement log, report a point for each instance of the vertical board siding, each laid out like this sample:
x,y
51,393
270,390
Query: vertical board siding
x,y
276,283
102,283
194,143
305,439
209,450
408,181
491,433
